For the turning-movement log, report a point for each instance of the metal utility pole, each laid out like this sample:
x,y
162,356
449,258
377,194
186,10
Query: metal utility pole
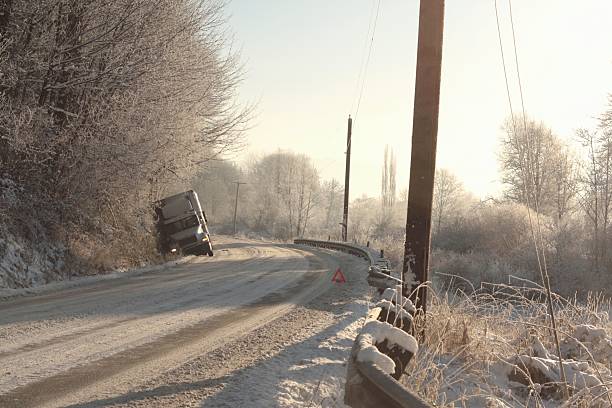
x,y
423,155
238,183
347,175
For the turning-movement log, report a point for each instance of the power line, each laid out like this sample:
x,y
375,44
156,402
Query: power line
x,y
501,47
518,71
547,281
365,71
526,174
542,264
363,57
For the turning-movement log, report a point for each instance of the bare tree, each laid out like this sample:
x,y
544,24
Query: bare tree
x,y
537,168
595,195
524,155
333,194
104,104
563,181
447,193
387,193
285,194
388,185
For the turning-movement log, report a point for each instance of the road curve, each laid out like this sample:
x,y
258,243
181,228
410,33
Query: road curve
x,y
69,345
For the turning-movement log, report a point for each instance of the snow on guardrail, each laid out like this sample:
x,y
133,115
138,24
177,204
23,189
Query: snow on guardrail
x,y
384,346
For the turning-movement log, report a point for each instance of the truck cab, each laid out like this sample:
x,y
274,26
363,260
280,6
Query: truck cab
x,y
182,225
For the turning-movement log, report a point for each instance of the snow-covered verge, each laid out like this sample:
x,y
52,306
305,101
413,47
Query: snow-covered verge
x,y
317,377
37,249
65,280
29,262
32,261
34,266
495,349
27,256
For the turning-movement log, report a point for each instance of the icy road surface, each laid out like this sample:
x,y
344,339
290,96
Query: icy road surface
x,y
257,325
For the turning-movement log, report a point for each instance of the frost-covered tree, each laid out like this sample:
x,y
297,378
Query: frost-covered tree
x,y
387,193
388,183
284,191
448,192
596,188
105,103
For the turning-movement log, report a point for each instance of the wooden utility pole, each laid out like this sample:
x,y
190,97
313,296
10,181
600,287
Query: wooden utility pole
x,y
347,175
238,183
423,154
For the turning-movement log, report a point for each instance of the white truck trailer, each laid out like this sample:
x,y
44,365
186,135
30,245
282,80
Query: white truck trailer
x,y
181,225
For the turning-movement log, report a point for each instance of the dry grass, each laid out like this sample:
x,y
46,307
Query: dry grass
x,y
120,249
472,344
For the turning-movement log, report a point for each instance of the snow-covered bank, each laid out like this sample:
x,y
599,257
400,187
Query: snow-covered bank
x,y
16,264
38,247
29,262
29,258
497,351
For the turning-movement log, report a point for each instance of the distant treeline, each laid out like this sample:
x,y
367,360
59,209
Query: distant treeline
x,y
557,192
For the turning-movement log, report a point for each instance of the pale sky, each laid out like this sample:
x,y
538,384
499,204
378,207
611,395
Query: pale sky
x,y
302,61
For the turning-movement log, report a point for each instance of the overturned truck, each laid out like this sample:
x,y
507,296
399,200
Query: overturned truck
x,y
181,225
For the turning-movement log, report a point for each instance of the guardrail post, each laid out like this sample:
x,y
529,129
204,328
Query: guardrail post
x,y
382,253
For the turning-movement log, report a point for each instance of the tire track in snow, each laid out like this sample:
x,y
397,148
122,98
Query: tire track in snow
x,y
258,284
82,330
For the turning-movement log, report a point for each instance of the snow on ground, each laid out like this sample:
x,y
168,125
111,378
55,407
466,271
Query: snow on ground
x,y
77,281
588,341
269,353
317,369
483,352
311,372
25,263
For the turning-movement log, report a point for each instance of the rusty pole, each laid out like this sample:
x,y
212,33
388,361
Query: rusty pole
x,y
423,154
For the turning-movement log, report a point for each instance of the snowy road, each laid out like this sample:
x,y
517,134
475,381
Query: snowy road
x,y
186,335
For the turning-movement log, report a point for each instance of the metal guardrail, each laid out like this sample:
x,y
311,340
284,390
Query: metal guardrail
x,y
364,252
367,386
379,274
378,389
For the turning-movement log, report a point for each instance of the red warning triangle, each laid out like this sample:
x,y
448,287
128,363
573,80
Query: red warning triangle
x,y
338,277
